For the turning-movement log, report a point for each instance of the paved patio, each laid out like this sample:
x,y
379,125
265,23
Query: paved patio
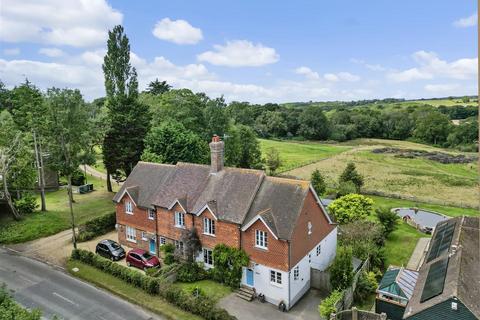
x,y
418,255
305,309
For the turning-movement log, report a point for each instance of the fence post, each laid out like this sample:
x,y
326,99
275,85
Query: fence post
x,y
354,313
383,316
333,316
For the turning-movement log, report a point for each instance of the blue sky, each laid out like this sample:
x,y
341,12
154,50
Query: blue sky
x,y
258,51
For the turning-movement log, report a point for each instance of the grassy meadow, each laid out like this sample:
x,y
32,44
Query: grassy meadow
x,y
57,218
417,179
296,154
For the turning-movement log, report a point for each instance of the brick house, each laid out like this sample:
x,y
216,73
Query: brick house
x,y
279,222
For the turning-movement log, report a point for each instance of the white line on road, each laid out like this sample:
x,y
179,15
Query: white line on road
x,y
65,299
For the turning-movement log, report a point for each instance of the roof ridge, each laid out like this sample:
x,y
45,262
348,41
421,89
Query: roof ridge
x,y
157,164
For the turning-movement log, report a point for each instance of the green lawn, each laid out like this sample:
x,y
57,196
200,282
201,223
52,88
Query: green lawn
x,y
400,244
57,218
211,288
128,292
297,154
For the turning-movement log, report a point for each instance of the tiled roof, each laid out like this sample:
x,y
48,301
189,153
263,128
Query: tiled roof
x,y
236,195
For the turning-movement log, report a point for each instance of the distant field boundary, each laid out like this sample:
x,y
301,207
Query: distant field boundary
x,y
415,199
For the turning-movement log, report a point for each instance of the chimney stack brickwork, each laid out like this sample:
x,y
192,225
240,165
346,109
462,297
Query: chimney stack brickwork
x,y
216,154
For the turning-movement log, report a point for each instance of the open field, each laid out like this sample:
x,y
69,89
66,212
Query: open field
x,y
57,218
417,179
296,154
127,291
446,102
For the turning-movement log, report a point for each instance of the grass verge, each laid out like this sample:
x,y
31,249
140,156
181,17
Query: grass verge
x,y
211,288
128,292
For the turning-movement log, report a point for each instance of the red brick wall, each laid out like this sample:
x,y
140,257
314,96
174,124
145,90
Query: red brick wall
x,y
277,254
166,222
139,218
122,238
301,242
226,233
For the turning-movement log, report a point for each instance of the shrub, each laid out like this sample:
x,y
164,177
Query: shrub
x,y
97,227
10,310
228,265
191,272
350,174
169,258
168,248
327,306
366,285
388,219
344,188
318,182
350,208
78,178
341,271
26,204
199,304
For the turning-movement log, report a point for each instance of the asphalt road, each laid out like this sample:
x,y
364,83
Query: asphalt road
x,y
37,285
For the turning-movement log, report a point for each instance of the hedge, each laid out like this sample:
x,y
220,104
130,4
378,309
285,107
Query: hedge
x,y
10,310
199,305
97,226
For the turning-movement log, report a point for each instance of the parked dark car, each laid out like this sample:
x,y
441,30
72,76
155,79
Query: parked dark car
x,y
110,249
142,259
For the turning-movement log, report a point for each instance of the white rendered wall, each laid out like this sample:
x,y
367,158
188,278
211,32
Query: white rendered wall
x,y
328,251
274,293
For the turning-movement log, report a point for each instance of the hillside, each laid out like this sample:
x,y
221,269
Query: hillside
x,y
391,174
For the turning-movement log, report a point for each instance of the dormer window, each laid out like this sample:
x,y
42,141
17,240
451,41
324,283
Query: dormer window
x,y
151,214
129,207
179,219
261,239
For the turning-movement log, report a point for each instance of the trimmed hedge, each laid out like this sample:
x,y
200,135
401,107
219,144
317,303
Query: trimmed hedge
x,y
199,305
97,226
10,310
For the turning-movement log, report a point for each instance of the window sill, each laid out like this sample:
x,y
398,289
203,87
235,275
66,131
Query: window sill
x,y
276,284
130,240
180,227
130,213
209,234
261,248
151,218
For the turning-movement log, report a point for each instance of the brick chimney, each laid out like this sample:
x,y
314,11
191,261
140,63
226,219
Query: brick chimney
x,y
216,154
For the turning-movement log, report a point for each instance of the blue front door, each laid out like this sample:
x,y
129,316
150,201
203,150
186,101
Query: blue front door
x,y
152,246
250,277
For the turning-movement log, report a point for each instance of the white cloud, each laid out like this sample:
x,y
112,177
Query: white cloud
x,y
430,66
466,22
11,51
443,89
177,31
373,67
345,76
307,72
51,52
78,23
240,53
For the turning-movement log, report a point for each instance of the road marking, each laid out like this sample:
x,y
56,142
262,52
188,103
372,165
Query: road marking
x,y
25,279
65,299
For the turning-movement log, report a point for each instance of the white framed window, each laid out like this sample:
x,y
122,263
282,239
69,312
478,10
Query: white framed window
x,y
319,249
179,245
129,207
309,227
209,226
208,256
162,241
296,273
151,214
179,219
275,277
144,236
131,234
261,239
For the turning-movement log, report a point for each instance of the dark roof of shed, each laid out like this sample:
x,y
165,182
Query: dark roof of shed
x,y
279,202
462,279
399,282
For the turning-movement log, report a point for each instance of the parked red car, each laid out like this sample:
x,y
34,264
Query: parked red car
x,y
142,259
